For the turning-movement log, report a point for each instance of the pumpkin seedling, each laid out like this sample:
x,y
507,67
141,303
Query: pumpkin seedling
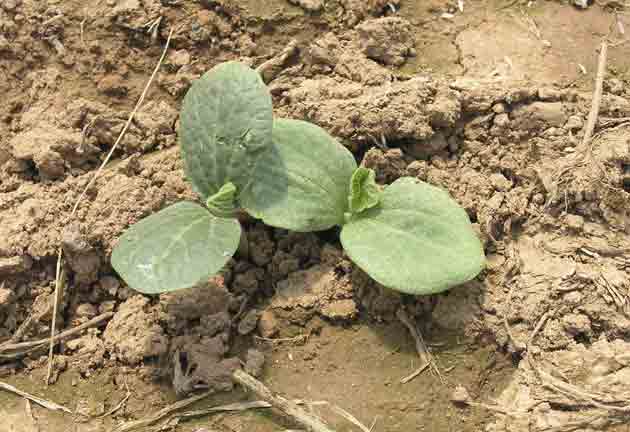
x,y
409,236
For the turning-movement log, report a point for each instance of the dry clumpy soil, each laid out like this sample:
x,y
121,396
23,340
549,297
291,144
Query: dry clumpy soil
x,y
489,103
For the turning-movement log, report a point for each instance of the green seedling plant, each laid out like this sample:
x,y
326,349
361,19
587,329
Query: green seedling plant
x,y
409,236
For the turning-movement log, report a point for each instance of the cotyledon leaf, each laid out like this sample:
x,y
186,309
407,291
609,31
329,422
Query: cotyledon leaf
x,y
302,183
225,125
175,248
418,240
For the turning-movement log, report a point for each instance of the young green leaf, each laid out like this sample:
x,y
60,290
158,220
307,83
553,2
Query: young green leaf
x,y
175,248
225,126
418,240
364,192
222,203
302,184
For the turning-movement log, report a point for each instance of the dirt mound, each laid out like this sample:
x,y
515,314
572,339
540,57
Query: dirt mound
x,y
551,392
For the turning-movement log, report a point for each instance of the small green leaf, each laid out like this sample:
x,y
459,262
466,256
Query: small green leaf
x,y
225,126
175,248
364,192
418,240
221,204
301,184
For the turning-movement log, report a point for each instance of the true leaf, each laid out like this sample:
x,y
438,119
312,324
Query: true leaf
x,y
418,240
221,204
175,248
302,184
364,192
225,125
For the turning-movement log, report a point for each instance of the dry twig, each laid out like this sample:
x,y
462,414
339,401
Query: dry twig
x,y
345,414
421,347
59,290
288,407
597,96
414,374
607,122
299,339
233,407
128,426
260,404
39,401
541,322
26,325
29,413
87,187
82,27
584,154
120,404
24,347
272,67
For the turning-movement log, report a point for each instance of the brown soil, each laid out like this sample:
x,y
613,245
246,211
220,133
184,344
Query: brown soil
x,y
489,103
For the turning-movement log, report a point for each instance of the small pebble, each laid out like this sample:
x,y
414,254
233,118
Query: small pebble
x,y
107,306
538,198
249,322
574,122
460,395
86,310
574,222
499,108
